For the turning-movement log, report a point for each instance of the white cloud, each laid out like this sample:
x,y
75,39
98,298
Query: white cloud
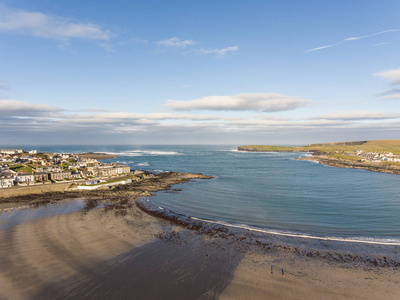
x,y
47,26
176,42
391,75
218,52
358,115
17,108
320,48
352,39
266,102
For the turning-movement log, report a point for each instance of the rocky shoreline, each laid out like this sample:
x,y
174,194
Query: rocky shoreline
x,y
142,188
96,155
321,157
342,163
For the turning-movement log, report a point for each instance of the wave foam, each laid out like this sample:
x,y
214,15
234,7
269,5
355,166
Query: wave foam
x,y
363,240
145,153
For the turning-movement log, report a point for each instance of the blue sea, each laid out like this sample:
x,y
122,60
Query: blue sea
x,y
269,191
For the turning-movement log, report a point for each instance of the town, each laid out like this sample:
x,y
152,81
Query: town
x,y
376,156
26,168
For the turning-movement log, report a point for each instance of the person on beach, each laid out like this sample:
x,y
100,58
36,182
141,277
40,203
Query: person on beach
x,y
283,273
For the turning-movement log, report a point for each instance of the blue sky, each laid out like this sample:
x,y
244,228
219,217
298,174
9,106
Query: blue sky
x,y
213,72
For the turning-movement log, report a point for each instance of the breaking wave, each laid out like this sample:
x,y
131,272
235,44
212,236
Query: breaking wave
x,y
145,153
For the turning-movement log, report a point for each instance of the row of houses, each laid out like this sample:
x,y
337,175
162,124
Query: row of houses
x,y
109,170
8,178
11,151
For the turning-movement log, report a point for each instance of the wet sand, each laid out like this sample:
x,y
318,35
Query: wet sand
x,y
122,252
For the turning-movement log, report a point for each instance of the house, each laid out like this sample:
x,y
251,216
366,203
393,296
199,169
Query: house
x,y
60,175
86,173
6,180
76,174
121,169
41,176
25,178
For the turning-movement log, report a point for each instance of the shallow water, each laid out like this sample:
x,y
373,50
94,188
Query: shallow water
x,y
24,213
271,191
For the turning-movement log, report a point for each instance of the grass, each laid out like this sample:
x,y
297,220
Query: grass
x,y
21,169
345,157
273,148
370,146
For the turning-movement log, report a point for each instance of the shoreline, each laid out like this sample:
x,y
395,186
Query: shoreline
x,y
341,163
120,251
322,158
117,248
196,222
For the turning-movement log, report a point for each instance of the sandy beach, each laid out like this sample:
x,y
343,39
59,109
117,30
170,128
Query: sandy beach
x,y
119,251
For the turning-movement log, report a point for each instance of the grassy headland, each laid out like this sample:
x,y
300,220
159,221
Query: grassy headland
x,y
376,155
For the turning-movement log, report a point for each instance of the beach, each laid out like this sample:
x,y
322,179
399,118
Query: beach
x,y
115,249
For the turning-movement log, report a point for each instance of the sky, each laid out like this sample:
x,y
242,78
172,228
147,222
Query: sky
x,y
198,72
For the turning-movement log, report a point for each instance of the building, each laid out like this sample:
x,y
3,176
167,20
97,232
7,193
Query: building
x,y
11,151
60,175
107,171
41,176
6,180
121,169
76,174
26,178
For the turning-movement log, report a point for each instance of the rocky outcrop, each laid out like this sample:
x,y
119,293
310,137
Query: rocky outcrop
x,y
93,155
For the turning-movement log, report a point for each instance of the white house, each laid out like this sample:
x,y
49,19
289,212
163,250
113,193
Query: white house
x,y
6,180
25,178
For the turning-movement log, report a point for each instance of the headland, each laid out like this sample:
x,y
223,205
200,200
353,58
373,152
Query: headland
x,y
376,155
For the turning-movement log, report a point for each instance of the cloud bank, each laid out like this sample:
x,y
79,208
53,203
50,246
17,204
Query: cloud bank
x,y
17,108
23,122
266,102
358,115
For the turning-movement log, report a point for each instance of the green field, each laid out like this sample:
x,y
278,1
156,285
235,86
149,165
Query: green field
x,y
330,148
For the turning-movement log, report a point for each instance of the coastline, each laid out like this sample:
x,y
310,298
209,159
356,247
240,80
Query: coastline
x,y
341,163
337,154
117,247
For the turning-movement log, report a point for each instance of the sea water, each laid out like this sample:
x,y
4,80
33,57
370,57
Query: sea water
x,y
269,191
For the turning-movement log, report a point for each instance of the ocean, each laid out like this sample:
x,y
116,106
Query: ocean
x,y
271,192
